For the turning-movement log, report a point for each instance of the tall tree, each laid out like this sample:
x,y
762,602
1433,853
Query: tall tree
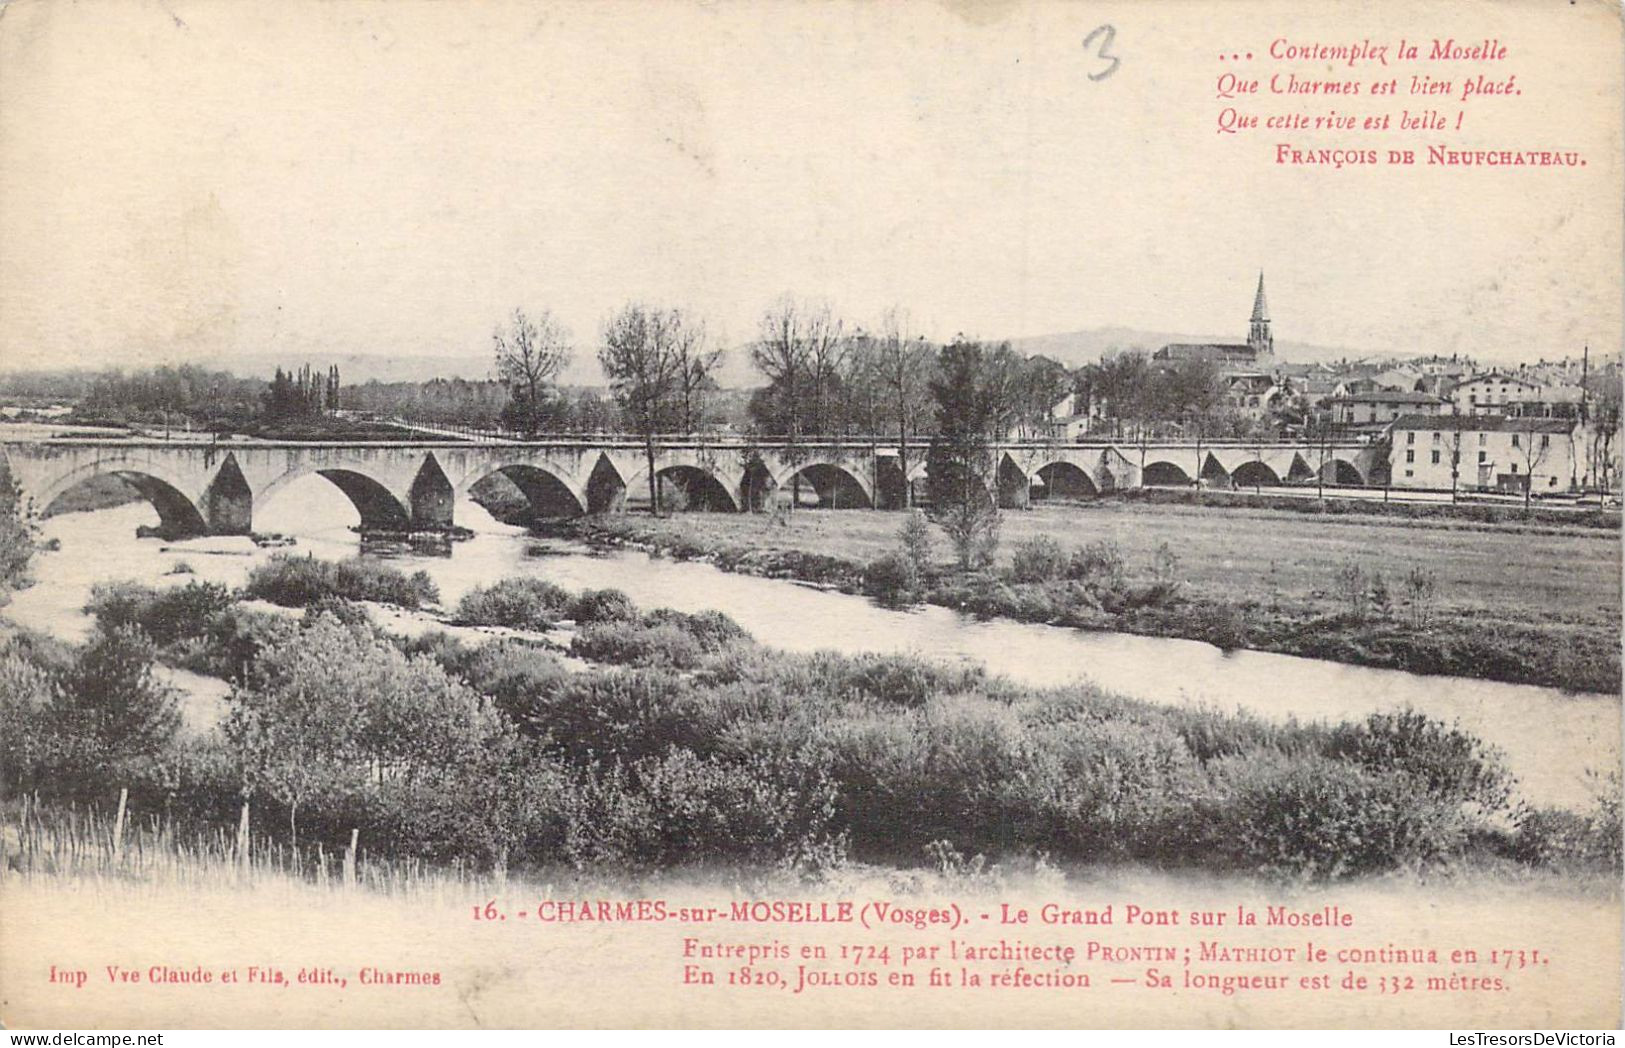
x,y
971,392
697,362
904,364
798,351
529,356
644,366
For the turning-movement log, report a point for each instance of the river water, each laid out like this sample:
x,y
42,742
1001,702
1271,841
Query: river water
x,y
1551,739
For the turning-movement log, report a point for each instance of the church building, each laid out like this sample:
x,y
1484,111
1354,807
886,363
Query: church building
x,y
1257,353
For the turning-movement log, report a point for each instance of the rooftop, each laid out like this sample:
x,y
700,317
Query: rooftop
x,y
1484,424
1390,396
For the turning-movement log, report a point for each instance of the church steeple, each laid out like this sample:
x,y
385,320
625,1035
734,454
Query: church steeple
x,y
1259,339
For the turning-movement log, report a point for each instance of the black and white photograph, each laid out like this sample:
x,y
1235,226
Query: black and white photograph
x,y
800,514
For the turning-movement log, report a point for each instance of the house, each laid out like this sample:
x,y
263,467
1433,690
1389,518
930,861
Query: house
x,y
1489,392
1484,452
1254,395
1384,405
1403,376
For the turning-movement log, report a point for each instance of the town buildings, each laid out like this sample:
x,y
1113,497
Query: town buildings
x,y
1486,453
1383,406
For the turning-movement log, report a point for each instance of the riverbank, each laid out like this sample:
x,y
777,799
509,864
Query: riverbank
x,y
1239,578
681,740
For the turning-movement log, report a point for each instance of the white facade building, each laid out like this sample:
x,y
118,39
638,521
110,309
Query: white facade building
x,y
1484,452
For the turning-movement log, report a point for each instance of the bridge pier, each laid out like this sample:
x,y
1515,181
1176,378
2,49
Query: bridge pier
x,y
1015,491
432,498
228,503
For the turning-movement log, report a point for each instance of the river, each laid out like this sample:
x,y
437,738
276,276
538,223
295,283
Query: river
x,y
1551,739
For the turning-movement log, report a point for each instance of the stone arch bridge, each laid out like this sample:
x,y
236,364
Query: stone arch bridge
x,y
213,487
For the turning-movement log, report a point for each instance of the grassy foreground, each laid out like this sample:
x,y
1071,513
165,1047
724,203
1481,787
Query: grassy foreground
x,y
1539,605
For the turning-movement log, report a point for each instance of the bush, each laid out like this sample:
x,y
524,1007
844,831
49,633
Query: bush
x,y
518,603
713,630
914,537
167,616
108,703
1038,559
346,611
1445,762
521,680
1100,561
663,644
1314,816
892,579
301,581
603,605
900,680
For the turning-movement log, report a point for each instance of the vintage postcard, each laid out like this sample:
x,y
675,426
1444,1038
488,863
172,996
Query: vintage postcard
x,y
981,513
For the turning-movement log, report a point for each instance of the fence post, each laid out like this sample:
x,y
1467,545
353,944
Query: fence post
x,y
349,859
118,824
242,836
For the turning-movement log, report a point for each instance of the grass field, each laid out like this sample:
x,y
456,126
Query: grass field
x,y
1537,605
1242,554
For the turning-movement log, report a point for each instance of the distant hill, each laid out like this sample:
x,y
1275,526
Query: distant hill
x,y
1074,348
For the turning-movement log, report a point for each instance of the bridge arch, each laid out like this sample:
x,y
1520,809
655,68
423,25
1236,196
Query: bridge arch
x,y
550,492
700,489
377,506
1066,480
1343,472
1254,474
836,486
178,515
1163,473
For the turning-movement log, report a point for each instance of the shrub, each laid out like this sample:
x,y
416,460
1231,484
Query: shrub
x,y
1444,761
518,603
300,581
603,605
1318,817
892,579
521,680
346,611
1100,561
109,701
914,537
624,713
1038,559
713,630
166,616
903,680
27,695
663,644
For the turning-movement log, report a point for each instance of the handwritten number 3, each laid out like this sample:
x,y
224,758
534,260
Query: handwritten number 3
x,y
1105,34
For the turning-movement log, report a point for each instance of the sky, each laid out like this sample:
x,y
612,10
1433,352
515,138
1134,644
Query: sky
x,y
198,181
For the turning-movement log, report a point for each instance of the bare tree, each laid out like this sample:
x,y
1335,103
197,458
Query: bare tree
x,y
640,357
827,353
799,353
905,365
530,354
1533,446
697,362
1602,426
780,354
